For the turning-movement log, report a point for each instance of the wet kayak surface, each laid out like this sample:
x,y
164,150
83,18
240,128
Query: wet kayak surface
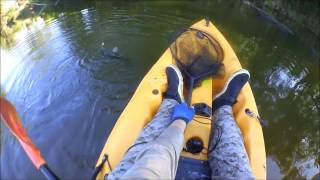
x,y
73,72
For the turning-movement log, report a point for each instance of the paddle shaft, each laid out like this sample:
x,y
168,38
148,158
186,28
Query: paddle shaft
x,y
11,119
48,173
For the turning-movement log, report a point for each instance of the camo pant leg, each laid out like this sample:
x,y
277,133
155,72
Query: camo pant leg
x,y
150,132
227,155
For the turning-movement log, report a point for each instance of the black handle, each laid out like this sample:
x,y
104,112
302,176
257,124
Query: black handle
x,y
48,173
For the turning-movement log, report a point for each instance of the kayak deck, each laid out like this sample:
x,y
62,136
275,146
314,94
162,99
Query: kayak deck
x,y
148,97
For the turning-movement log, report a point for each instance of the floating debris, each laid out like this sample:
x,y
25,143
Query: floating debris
x,y
114,53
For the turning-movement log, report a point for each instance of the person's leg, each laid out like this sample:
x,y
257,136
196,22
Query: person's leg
x,y
154,128
227,154
148,134
159,159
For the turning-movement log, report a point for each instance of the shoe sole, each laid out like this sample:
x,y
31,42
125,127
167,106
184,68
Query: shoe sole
x,y
241,71
180,86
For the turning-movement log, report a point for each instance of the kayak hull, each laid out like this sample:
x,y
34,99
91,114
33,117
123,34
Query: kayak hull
x,y
148,97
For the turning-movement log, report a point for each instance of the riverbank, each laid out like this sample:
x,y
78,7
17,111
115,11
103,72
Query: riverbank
x,y
17,15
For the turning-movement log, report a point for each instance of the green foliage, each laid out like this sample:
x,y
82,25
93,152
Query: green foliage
x,y
17,17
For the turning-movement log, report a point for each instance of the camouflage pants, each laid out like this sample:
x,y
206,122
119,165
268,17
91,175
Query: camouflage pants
x,y
227,155
153,129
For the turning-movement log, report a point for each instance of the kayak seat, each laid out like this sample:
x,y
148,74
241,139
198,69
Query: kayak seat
x,y
189,168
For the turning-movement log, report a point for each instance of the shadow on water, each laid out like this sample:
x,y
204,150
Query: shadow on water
x,y
69,94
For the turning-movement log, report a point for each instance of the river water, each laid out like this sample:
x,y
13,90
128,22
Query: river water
x,y
69,93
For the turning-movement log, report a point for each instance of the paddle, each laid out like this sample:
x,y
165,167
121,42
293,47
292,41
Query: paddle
x,y
11,119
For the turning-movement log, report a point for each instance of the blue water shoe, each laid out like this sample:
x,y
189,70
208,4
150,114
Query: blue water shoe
x,y
228,95
175,83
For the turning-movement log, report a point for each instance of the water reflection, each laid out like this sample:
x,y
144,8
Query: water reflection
x,y
87,19
63,89
284,82
69,94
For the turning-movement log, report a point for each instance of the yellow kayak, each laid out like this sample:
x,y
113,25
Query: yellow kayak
x,y
148,96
